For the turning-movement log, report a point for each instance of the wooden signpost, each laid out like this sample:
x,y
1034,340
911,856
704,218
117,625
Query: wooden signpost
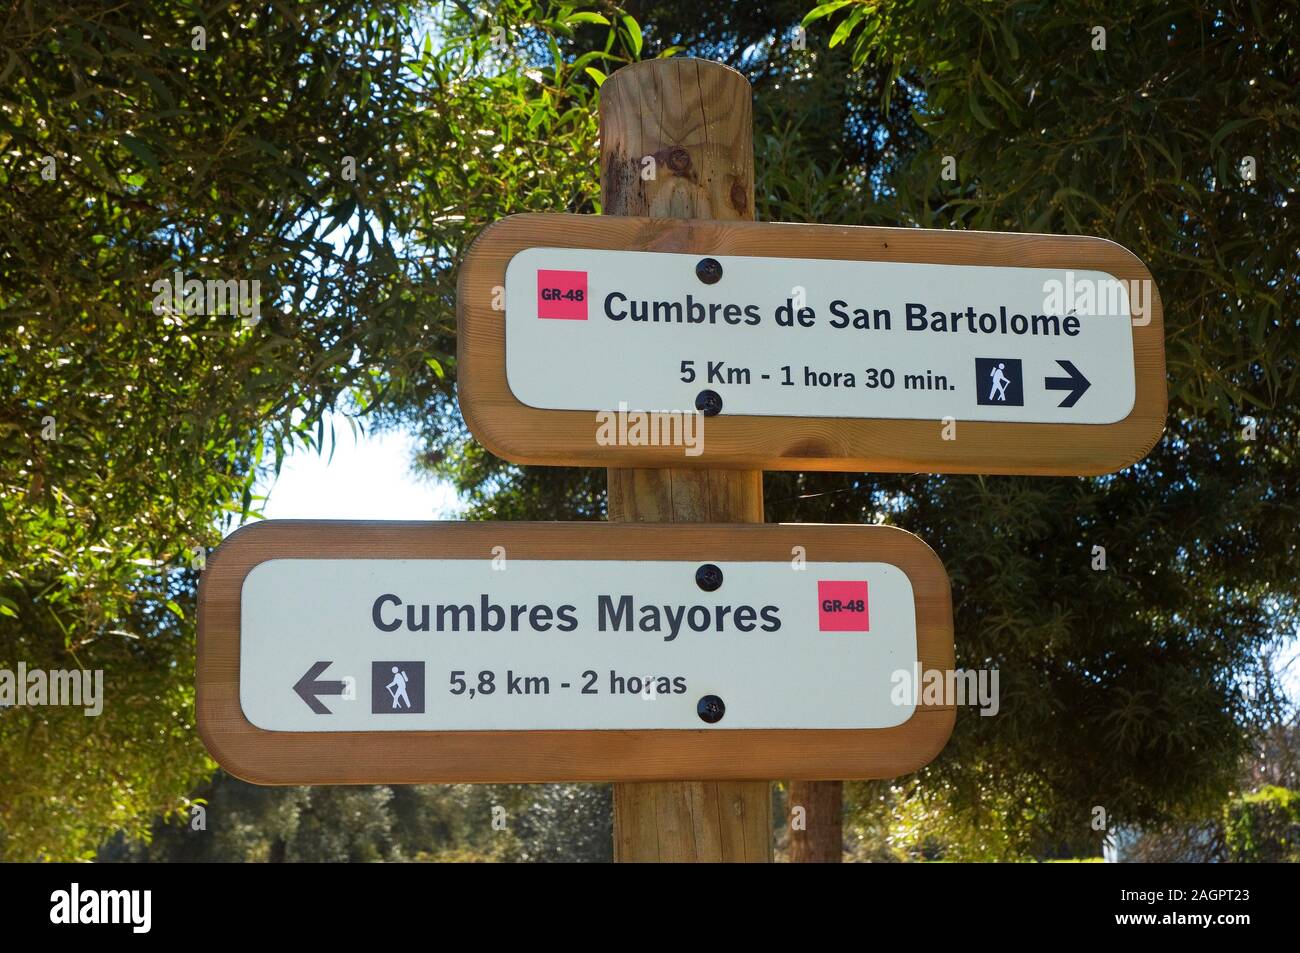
x,y
808,347
686,348
391,653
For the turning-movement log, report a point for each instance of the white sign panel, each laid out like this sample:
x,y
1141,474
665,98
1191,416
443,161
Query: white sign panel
x,y
456,644
590,329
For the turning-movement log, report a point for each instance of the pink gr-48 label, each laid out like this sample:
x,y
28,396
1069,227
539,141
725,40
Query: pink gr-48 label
x,y
842,606
562,294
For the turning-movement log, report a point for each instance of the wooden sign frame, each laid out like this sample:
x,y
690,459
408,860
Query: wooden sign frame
x,y
413,757
523,434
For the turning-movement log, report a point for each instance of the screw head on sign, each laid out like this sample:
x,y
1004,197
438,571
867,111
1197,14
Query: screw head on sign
x,y
709,271
709,403
708,577
710,709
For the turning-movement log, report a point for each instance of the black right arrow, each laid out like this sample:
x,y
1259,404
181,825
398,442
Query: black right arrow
x,y
308,688
1076,384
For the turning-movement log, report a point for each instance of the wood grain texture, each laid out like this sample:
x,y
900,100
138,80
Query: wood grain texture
x,y
525,434
414,757
690,821
692,120
693,822
821,838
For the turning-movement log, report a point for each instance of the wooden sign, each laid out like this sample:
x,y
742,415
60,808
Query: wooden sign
x,y
623,342
391,653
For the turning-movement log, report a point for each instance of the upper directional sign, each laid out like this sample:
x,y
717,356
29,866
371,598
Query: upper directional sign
x,y
635,342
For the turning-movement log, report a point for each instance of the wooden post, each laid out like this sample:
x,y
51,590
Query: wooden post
x,y
676,141
821,840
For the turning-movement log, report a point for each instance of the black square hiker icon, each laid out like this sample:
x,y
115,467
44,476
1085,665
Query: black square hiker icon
x,y
999,382
397,688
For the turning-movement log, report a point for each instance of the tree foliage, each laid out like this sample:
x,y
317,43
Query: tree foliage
x,y
1125,688
230,821
135,148
1128,688
331,152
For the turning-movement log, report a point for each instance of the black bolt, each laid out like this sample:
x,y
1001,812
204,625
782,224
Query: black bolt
x,y
679,160
708,577
710,709
709,403
709,271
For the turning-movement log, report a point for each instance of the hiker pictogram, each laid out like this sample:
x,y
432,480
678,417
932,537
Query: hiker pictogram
x,y
396,688
999,382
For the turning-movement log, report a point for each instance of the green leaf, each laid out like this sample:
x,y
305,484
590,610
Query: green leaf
x,y
634,33
156,84
824,10
862,46
597,75
1227,129
1013,48
266,147
845,28
978,111
140,149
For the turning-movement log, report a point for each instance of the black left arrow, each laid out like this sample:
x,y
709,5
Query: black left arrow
x,y
308,688
1076,384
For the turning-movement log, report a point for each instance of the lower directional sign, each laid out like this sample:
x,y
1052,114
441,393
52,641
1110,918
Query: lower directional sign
x,y
408,652
310,690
